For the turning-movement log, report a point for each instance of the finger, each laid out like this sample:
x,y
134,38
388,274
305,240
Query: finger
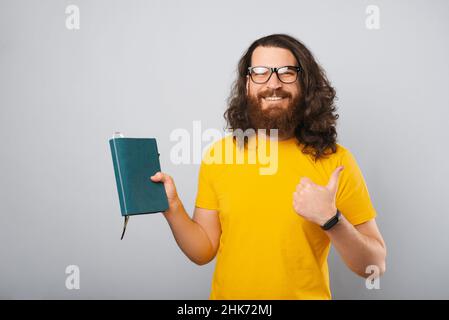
x,y
156,177
306,181
160,177
333,180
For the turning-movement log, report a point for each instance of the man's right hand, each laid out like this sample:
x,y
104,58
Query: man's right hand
x,y
169,185
198,237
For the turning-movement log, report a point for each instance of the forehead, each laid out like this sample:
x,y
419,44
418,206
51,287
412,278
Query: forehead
x,y
272,57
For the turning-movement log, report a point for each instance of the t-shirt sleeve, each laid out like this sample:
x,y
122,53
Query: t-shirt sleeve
x,y
206,197
353,199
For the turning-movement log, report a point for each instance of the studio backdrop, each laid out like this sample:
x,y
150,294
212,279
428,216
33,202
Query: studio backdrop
x,y
74,72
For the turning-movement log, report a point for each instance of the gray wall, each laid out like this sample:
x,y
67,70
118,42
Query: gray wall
x,y
63,93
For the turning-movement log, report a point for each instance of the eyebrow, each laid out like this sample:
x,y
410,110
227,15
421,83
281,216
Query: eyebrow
x,y
280,66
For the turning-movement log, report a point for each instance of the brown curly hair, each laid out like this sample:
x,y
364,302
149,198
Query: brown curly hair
x,y
316,127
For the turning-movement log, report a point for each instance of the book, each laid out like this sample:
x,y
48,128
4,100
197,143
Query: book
x,y
135,160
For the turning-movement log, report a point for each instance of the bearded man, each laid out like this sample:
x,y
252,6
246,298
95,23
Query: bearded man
x,y
271,233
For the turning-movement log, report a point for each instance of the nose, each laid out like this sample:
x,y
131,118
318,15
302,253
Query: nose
x,y
274,82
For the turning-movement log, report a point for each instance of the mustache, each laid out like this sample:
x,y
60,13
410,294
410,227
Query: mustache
x,y
274,92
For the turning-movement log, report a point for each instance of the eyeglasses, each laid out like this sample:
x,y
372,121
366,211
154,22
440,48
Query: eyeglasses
x,y
286,74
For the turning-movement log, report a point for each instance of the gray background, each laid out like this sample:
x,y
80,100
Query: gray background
x,y
64,92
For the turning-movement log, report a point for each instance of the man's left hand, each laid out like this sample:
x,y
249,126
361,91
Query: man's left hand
x,y
316,203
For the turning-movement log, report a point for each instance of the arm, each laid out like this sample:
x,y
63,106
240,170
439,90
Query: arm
x,y
359,246
199,237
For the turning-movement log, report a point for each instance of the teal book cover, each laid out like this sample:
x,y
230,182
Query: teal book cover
x,y
135,160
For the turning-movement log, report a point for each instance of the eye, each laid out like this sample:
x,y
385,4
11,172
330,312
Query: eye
x,y
259,70
286,71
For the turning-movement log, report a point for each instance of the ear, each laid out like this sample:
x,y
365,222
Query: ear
x,y
247,84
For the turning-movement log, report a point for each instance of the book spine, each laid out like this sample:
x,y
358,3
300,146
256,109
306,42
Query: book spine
x,y
118,178
156,152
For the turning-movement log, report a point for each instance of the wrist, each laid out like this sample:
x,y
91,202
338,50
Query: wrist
x,y
174,205
326,216
331,222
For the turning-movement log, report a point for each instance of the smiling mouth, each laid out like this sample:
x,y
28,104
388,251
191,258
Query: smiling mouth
x,y
275,98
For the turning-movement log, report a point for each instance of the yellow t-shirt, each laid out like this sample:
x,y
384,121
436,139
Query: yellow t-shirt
x,y
267,250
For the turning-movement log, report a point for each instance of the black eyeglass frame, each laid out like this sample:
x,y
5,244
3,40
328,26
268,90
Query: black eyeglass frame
x,y
275,70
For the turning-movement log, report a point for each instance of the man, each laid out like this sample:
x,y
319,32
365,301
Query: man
x,y
272,233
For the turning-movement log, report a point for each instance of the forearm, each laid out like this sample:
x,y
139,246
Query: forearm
x,y
356,249
189,235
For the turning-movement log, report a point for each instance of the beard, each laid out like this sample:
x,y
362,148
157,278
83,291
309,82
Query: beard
x,y
285,120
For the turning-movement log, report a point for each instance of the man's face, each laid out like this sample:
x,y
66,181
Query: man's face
x,y
272,104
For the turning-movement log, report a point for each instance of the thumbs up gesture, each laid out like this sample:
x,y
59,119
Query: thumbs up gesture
x,y
316,203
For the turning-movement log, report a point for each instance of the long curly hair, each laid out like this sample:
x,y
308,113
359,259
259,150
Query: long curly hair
x,y
316,127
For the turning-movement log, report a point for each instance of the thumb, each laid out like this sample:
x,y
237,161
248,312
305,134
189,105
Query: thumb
x,y
158,177
332,185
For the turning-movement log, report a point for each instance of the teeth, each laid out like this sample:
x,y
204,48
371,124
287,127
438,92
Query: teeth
x,y
273,98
